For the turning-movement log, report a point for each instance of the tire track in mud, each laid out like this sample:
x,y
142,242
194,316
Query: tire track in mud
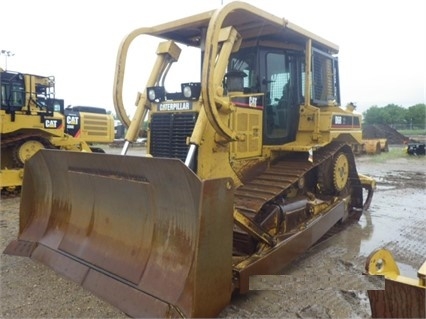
x,y
400,226
403,179
397,213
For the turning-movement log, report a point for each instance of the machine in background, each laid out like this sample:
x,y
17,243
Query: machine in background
x,y
33,119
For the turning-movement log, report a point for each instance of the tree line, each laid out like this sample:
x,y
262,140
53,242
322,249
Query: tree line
x,y
392,114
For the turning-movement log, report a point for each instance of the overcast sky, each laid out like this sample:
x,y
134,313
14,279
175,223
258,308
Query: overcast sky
x,y
382,43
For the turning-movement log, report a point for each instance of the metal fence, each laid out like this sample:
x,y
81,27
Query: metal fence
x,y
408,126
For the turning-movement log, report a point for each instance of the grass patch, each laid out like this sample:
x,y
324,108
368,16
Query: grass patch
x,y
395,153
412,132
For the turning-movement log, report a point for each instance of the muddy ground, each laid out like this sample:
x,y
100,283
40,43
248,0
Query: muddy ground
x,y
326,282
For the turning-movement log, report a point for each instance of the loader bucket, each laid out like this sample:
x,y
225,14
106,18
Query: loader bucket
x,y
145,234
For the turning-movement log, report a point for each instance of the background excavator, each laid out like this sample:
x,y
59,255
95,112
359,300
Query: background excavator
x,y
247,169
31,118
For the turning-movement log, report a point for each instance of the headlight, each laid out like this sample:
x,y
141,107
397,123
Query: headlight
x,y
156,94
187,92
151,94
191,91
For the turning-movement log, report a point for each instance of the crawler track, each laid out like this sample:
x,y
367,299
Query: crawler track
x,y
10,160
278,178
281,178
270,188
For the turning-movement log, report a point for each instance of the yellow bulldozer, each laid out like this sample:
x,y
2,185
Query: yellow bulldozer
x,y
247,169
31,118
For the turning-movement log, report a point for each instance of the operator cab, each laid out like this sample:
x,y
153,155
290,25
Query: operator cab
x,y
32,94
12,91
280,75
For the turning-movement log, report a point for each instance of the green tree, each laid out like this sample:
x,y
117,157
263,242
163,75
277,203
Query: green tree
x,y
389,114
416,114
373,115
394,114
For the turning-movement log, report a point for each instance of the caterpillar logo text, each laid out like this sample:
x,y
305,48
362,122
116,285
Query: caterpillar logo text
x,y
175,106
73,120
52,123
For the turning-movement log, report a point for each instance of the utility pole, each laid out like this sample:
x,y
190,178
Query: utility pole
x,y
6,54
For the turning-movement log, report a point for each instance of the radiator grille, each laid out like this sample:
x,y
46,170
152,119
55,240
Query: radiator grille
x,y
169,132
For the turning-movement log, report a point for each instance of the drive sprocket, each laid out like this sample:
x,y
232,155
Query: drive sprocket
x,y
340,168
333,174
26,149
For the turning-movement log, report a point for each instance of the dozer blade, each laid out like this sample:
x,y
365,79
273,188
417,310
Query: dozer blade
x,y
145,234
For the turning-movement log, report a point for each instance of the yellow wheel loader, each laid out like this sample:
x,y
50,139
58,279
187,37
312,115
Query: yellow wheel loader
x,y
247,169
31,118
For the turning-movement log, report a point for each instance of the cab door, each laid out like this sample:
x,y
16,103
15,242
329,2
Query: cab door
x,y
281,81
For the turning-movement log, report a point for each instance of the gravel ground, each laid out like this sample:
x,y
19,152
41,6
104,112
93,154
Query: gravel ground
x,y
326,282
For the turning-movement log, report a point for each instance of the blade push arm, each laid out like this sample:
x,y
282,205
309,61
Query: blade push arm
x,y
167,53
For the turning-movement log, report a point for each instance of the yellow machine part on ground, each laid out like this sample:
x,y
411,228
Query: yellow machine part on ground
x,y
403,297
